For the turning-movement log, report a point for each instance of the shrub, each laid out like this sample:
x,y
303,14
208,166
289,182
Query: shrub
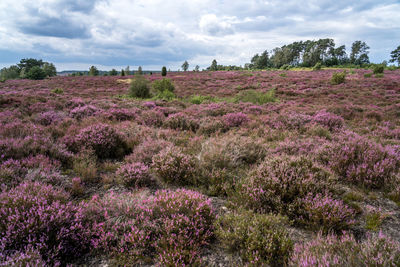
x,y
154,118
256,97
279,184
180,121
81,112
235,119
164,71
163,85
317,66
367,75
139,87
326,213
36,73
209,126
378,68
174,167
101,138
85,166
165,95
338,77
28,257
50,117
134,175
360,161
259,239
40,217
331,121
145,151
377,250
379,75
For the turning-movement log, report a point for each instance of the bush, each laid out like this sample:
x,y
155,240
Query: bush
x,y
256,97
377,250
36,73
329,120
145,151
40,217
338,77
235,119
163,85
367,75
317,66
174,167
180,121
280,184
165,95
164,71
360,161
326,213
134,175
85,166
378,68
208,126
139,87
101,138
259,239
81,112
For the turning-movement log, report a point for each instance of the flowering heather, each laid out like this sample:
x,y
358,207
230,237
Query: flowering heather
x,y
377,250
154,118
332,121
235,119
145,151
174,167
134,175
101,138
182,122
81,112
50,117
361,161
121,114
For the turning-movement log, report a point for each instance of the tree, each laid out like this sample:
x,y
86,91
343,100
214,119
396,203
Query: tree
x,y
260,62
164,71
11,72
140,71
185,66
214,65
93,71
359,53
127,71
122,72
197,68
36,73
49,69
113,72
28,63
395,56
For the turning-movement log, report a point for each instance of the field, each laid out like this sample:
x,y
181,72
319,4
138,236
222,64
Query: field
x,y
279,168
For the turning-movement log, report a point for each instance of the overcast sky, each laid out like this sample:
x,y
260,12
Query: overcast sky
x,y
75,34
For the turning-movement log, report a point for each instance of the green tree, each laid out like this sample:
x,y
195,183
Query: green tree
x,y
214,65
113,72
28,63
197,68
93,71
127,71
185,66
36,73
11,72
260,61
140,71
49,69
359,53
164,71
395,56
122,72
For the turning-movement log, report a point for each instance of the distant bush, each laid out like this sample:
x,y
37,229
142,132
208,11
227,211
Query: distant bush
x,y
281,183
338,77
36,73
256,97
163,85
378,68
101,138
367,75
134,175
259,239
285,67
174,167
377,250
164,71
165,95
139,87
317,66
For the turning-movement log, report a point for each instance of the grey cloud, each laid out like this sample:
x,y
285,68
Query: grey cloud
x,y
55,27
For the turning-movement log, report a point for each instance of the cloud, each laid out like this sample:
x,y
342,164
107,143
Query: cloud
x,y
158,32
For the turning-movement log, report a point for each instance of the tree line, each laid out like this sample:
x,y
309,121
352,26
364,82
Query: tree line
x,y
29,68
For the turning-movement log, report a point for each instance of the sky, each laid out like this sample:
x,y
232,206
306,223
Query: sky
x,y
75,34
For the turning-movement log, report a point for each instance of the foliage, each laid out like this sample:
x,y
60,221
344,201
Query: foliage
x,y
338,78
139,87
36,73
113,72
185,66
378,68
164,71
259,239
163,85
359,53
317,66
395,55
256,97
93,71
134,175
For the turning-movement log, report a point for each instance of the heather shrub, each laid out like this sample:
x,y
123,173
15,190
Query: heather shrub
x,y
235,119
279,184
139,87
40,217
360,161
186,219
377,250
208,126
121,114
50,117
154,118
174,167
134,175
180,121
293,121
322,211
329,120
338,78
145,151
28,257
163,85
101,138
379,68
259,239
231,152
81,112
